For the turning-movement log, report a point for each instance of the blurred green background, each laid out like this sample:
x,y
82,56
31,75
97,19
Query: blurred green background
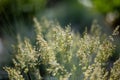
x,y
78,13
16,17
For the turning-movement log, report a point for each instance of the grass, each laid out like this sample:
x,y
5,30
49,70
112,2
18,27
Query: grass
x,y
61,54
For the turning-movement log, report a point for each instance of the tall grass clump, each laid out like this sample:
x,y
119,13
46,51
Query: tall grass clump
x,y
61,54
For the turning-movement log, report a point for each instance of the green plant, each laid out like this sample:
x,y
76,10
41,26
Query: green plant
x,y
17,7
112,9
61,54
114,5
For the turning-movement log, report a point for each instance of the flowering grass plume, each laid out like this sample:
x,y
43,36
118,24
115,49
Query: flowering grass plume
x,y
61,54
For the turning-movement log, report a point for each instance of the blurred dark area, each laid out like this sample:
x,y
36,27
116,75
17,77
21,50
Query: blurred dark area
x,y
78,13
16,17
